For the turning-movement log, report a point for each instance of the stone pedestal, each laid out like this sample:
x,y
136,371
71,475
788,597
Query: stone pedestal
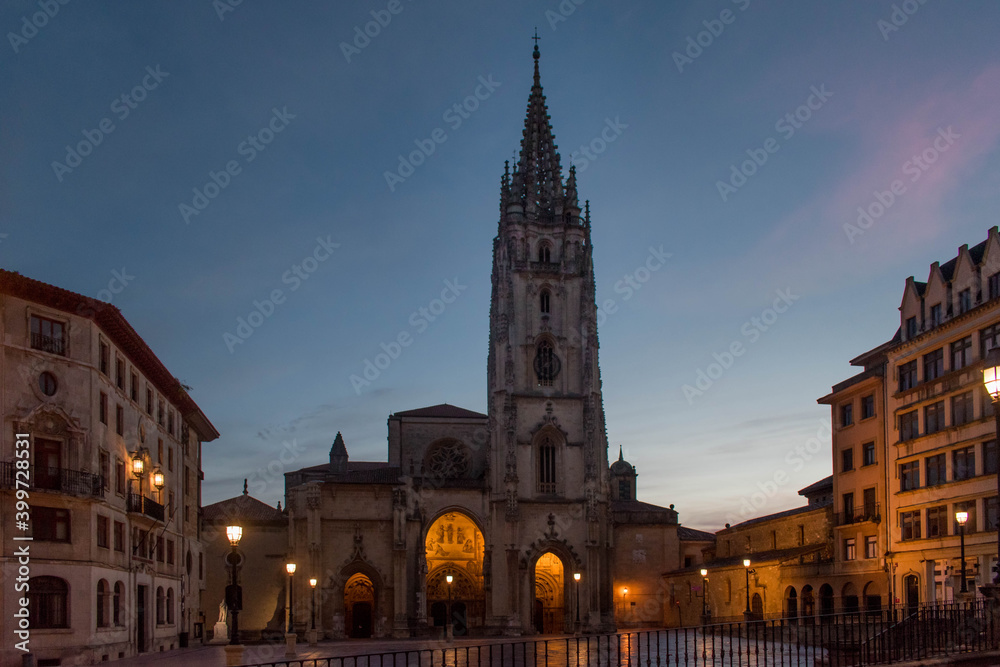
x,y
312,636
290,645
234,655
220,634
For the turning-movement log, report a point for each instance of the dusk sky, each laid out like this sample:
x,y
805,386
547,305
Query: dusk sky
x,y
739,137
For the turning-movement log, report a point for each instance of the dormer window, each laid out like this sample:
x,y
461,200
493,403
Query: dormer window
x,y
543,301
964,301
911,327
936,315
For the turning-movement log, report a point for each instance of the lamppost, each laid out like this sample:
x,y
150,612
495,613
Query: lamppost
x,y
624,602
448,630
158,482
290,635
746,565
576,578
233,593
139,471
961,517
704,596
991,378
312,633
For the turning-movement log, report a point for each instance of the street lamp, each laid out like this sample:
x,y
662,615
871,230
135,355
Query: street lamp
x,y
290,568
158,482
576,578
746,564
312,584
991,378
961,517
704,595
233,595
448,630
139,471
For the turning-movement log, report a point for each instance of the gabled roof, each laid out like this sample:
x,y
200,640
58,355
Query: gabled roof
x,y
691,535
444,411
825,484
118,330
638,512
779,515
243,508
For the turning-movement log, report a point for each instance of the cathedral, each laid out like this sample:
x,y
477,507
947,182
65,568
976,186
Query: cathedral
x,y
511,522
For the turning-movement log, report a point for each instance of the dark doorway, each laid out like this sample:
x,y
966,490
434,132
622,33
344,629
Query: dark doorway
x,y
439,612
538,617
459,619
361,620
826,603
48,464
757,607
912,593
140,619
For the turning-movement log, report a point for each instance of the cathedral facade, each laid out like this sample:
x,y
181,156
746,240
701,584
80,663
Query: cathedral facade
x,y
510,522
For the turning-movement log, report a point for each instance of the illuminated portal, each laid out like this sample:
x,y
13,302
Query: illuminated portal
x,y
454,546
359,606
549,588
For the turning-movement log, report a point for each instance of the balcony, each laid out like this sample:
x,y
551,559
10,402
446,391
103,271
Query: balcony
x,y
59,480
147,506
48,344
858,515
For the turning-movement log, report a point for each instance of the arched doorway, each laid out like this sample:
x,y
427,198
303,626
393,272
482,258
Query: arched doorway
x,y
873,598
826,603
808,602
359,606
791,604
757,607
911,586
849,598
550,583
454,546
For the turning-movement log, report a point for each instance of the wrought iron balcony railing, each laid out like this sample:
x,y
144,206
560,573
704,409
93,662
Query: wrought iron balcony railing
x,y
60,480
144,505
859,515
48,344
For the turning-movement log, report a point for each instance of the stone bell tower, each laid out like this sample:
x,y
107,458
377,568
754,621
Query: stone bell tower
x,y
548,478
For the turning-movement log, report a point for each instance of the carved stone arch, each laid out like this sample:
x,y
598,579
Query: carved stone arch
x,y
452,509
549,425
380,605
570,563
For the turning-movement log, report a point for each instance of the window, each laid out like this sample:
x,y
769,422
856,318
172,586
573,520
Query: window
x,y
546,364
911,327
134,387
934,417
547,467
937,521
48,335
103,533
909,525
867,406
170,422
934,365
159,450
847,460
103,603
908,375
119,420
105,359
50,524
159,549
47,383
47,603
170,606
624,490
119,536
848,500
160,605
871,507
964,301
990,457
105,465
961,353
990,508
102,408
544,253
989,338
868,454
170,552
936,315
120,373
935,470
187,480
970,525
994,285
116,606
802,535
964,463
961,409
149,400
909,428
846,414
160,412
849,549
543,301
871,546
909,476
170,458
119,477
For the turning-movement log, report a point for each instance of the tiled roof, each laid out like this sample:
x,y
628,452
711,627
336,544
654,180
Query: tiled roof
x,y
825,484
780,515
243,508
117,328
443,410
635,511
756,558
358,472
692,535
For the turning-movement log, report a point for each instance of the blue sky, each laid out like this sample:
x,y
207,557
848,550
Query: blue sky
x,y
330,121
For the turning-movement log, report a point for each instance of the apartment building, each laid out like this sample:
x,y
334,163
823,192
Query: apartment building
x,y
114,455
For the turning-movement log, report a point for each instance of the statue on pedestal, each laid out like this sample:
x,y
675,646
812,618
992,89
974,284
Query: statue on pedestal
x,y
220,633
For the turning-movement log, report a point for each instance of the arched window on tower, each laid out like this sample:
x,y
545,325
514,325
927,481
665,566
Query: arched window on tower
x,y
544,253
546,364
546,466
624,490
543,301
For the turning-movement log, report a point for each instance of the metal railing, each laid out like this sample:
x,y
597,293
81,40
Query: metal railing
x,y
858,515
48,344
839,640
144,505
60,480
